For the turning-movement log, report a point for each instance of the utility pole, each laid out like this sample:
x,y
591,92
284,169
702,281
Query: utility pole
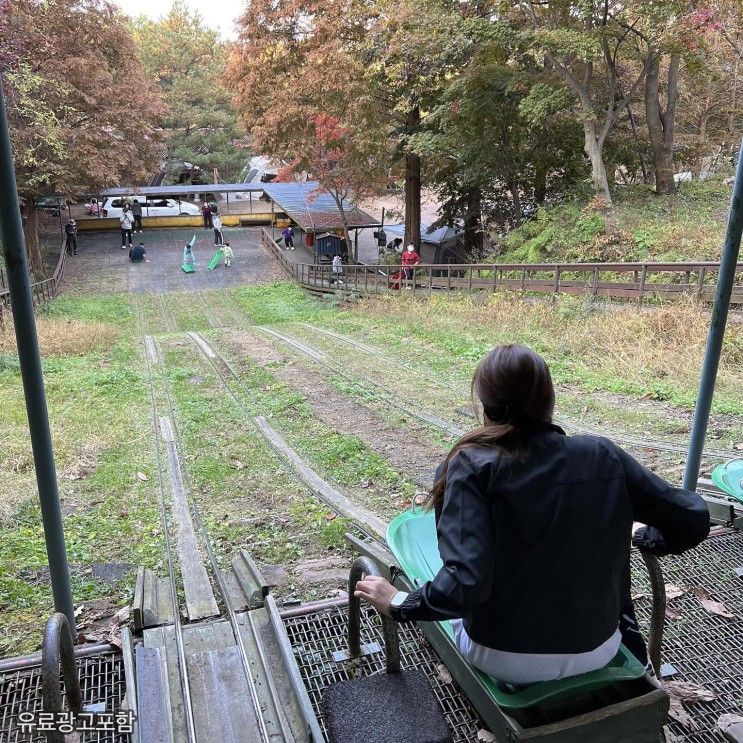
x,y
725,280
21,302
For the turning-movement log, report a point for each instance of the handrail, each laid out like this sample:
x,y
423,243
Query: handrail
x,y
58,649
631,281
364,566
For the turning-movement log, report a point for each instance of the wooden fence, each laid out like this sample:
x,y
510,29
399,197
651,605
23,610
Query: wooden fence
x,y
648,280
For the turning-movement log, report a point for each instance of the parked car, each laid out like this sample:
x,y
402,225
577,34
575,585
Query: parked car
x,y
151,207
52,204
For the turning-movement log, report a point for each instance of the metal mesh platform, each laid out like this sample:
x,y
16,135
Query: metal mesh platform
x,y
706,649
314,637
101,680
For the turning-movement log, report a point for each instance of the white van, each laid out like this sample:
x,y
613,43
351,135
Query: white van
x,y
152,206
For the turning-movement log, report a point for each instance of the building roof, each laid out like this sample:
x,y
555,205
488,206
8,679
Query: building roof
x,y
314,209
182,190
435,237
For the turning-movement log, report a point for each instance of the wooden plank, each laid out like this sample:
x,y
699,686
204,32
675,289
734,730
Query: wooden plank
x,y
202,638
153,600
220,695
326,491
200,601
164,638
155,724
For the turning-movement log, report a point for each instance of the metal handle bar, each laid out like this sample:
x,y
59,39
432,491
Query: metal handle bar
x,y
58,649
364,566
658,613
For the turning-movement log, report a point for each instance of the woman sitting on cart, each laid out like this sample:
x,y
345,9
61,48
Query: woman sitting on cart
x,y
534,532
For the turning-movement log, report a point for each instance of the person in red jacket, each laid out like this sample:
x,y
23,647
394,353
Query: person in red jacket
x,y
409,259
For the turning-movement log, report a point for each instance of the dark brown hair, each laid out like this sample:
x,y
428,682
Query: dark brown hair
x,y
514,385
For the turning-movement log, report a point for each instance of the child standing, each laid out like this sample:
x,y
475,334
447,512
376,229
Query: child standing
x,y
337,269
189,259
288,235
227,250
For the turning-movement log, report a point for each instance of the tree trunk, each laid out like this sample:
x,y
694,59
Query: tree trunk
x,y
540,184
594,148
734,102
661,123
31,238
473,237
413,188
513,187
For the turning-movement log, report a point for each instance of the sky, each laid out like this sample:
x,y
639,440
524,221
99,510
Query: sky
x,y
218,14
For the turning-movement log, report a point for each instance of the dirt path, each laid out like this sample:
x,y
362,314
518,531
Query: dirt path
x,y
406,451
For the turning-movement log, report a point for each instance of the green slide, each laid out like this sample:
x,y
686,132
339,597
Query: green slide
x,y
729,477
188,268
412,539
214,262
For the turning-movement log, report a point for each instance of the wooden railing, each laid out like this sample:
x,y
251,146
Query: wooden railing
x,y
41,291
273,248
620,280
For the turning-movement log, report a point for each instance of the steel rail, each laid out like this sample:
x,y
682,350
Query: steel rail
x,y
217,574
566,422
180,648
200,342
381,392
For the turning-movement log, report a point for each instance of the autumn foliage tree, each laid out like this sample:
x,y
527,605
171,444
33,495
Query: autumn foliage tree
x,y
81,110
344,161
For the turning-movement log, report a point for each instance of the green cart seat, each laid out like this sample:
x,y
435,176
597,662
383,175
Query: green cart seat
x,y
729,477
411,537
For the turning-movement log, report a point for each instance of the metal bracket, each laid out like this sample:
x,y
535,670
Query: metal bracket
x,y
340,656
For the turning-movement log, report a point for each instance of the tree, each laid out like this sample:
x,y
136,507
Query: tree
x,y
187,61
71,79
344,161
593,47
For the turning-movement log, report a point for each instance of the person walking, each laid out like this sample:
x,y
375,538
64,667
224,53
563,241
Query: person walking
x,y
137,214
217,225
534,534
127,223
288,234
410,259
70,230
227,252
206,213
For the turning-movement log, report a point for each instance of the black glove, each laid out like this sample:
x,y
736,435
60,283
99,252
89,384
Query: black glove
x,y
649,539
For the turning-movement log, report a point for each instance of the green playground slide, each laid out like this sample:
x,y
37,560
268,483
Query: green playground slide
x,y
411,537
214,262
188,268
729,477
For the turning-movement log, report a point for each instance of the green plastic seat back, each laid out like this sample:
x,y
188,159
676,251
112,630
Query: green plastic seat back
x,y
411,537
188,268
729,477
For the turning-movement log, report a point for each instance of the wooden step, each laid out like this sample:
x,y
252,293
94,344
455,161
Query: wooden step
x,y
153,600
221,700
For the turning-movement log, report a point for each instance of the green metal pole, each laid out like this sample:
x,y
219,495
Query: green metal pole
x,y
11,230
711,362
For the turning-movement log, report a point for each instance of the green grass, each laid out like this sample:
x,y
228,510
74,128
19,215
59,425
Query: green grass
x,y
687,226
99,412
279,302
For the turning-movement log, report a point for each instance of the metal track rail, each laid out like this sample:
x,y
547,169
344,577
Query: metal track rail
x,y
221,586
566,422
151,356
341,506
380,392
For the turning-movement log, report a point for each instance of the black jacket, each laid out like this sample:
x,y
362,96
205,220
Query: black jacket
x,y
536,549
